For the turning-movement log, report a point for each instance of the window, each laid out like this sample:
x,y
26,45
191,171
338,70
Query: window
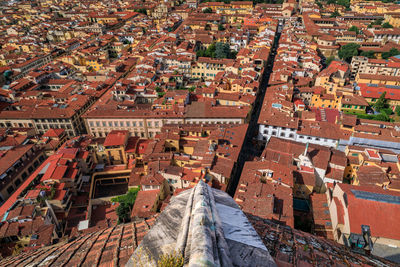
x,y
10,189
91,124
104,123
116,123
110,123
17,182
121,124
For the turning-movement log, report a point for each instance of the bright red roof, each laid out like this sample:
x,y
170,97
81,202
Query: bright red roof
x,y
54,132
382,217
116,138
376,92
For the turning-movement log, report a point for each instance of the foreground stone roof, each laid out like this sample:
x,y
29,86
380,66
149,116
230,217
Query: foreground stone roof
x,y
205,225
106,247
291,247
208,228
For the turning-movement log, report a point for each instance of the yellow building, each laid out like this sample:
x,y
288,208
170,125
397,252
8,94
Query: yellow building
x,y
321,99
114,147
393,20
207,68
364,167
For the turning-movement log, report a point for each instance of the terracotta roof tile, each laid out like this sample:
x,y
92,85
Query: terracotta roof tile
x,y
106,247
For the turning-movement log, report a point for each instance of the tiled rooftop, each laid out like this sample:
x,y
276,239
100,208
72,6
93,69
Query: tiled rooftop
x,y
115,245
107,247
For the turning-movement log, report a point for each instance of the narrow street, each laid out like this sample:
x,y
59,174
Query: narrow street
x,y
249,148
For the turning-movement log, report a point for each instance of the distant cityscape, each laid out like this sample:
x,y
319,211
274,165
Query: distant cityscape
x,y
118,118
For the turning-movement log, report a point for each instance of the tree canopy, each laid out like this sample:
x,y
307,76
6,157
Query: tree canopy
x,y
329,60
381,102
368,54
335,14
125,204
387,25
354,29
348,51
392,52
217,50
345,3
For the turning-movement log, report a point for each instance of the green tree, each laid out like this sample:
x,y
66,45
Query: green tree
x,y
210,51
376,22
222,50
354,29
200,53
124,213
368,54
126,42
207,10
125,204
345,3
335,14
221,27
397,110
392,52
141,10
381,102
347,51
329,60
382,117
387,25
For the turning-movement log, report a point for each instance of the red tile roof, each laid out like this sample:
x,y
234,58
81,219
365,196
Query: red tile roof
x,y
375,92
106,247
116,138
379,215
54,132
144,203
